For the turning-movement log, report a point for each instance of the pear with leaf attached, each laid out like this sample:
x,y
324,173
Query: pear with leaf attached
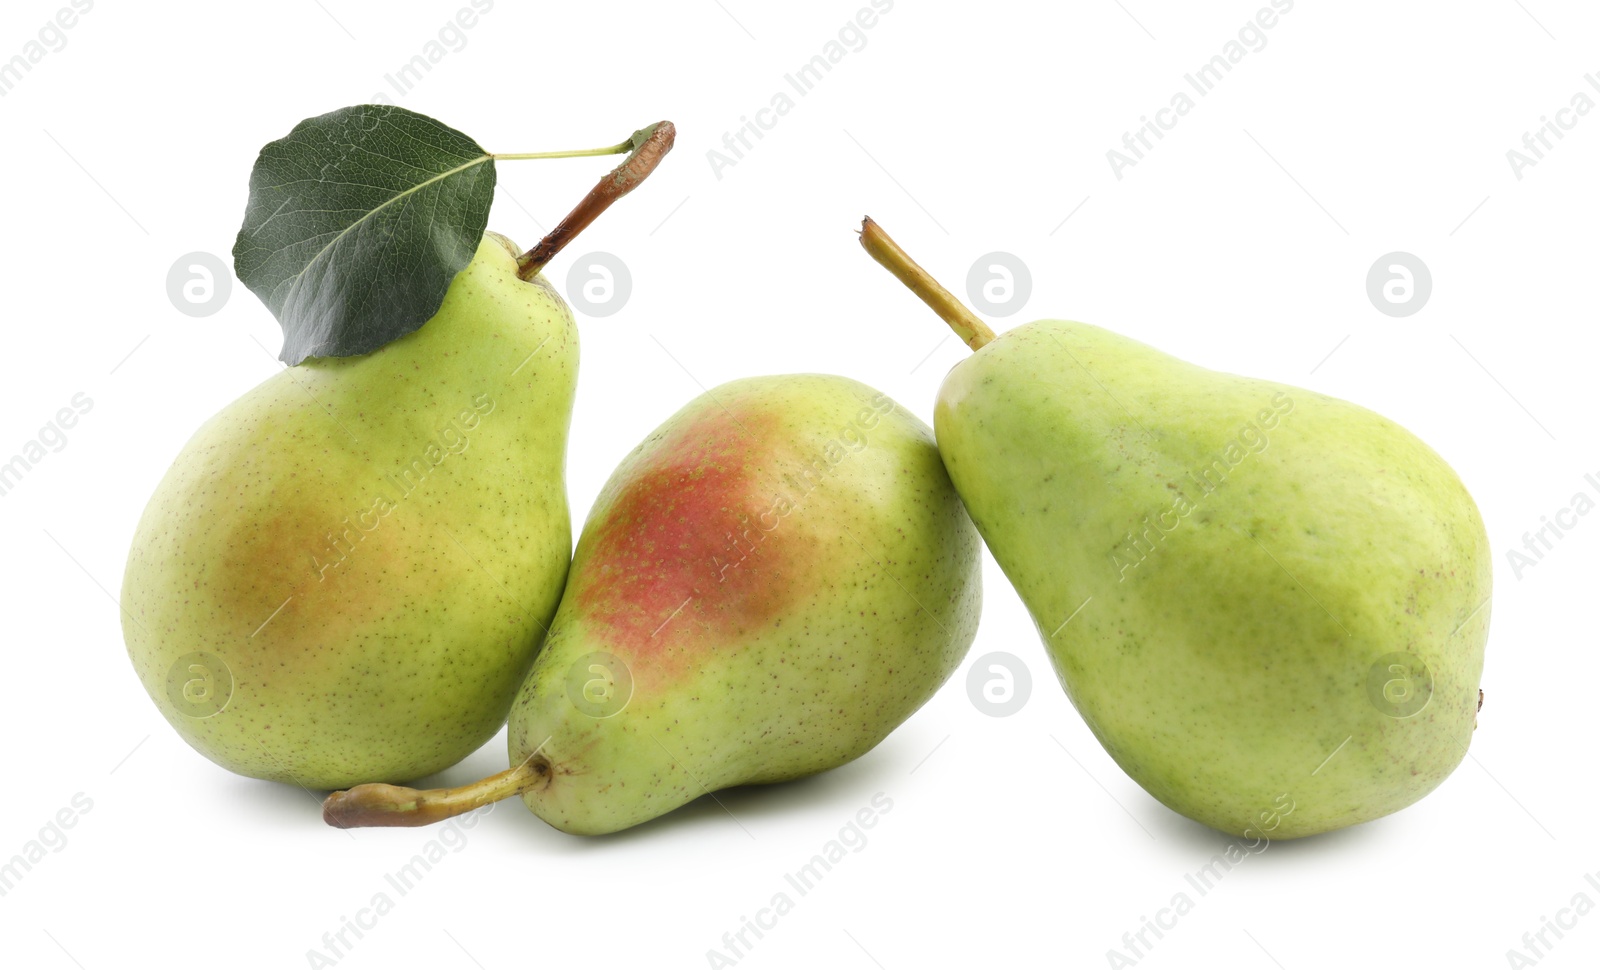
x,y
772,582
346,573
1269,605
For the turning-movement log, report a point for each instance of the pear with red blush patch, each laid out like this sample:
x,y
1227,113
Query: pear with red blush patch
x,y
767,586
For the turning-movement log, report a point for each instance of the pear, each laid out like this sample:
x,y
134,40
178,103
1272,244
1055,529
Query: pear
x,y
1269,605
766,587
346,573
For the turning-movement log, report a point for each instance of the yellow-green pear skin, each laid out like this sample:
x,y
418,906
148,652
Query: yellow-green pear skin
x,y
1269,605
346,572
773,581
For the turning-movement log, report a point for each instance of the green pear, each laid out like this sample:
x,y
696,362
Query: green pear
x,y
346,572
1269,605
766,587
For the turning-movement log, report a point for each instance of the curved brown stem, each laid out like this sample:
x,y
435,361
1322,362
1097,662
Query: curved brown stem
x,y
887,252
650,145
367,806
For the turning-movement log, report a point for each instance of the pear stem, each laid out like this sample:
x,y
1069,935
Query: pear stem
x,y
649,146
367,806
887,252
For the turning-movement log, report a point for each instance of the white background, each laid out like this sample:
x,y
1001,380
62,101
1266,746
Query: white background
x,y
1241,242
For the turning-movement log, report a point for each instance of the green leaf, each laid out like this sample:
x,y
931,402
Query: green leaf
x,y
357,223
